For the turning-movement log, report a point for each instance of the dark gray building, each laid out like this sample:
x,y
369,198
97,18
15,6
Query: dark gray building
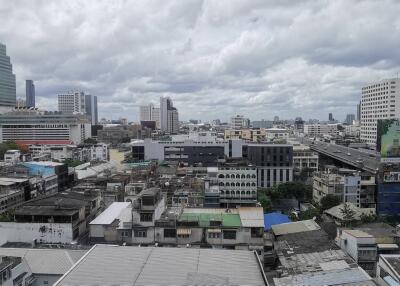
x,y
30,93
8,95
91,108
274,162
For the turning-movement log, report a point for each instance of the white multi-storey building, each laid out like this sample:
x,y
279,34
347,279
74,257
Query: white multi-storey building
x,y
319,129
40,127
73,102
150,112
239,122
379,100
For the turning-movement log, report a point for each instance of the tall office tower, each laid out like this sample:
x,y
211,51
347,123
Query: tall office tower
x,y
91,108
349,119
379,100
149,112
359,111
73,102
30,93
330,117
8,94
169,117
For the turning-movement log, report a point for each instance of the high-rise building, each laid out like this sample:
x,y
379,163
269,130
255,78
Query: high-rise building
x,y
91,107
349,119
30,93
8,95
79,103
330,117
379,100
150,113
72,102
169,117
359,111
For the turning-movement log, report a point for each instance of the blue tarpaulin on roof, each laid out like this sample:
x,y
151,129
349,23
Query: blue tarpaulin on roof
x,y
271,219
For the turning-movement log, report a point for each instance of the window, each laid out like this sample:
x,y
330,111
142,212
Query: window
x,y
124,233
140,233
257,232
214,235
229,234
45,282
169,232
146,217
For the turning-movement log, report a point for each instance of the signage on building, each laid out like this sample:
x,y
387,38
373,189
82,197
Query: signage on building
x,y
391,177
388,140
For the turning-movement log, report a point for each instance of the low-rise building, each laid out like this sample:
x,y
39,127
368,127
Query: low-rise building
x,y
319,129
277,134
304,159
252,135
388,270
12,156
58,218
164,266
365,243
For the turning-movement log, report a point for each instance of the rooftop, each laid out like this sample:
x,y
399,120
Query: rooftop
x,y
164,266
46,261
275,218
336,211
295,227
111,213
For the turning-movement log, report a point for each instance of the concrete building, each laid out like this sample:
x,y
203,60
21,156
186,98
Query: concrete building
x,y
12,156
169,117
41,127
164,266
277,134
72,102
349,119
150,113
274,162
117,134
379,100
319,129
252,135
388,270
7,82
189,152
30,93
58,218
229,186
239,122
304,158
365,243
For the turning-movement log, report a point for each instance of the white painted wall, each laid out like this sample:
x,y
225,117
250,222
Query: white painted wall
x,y
42,232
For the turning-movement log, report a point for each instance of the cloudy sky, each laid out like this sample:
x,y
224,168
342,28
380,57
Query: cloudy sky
x,y
214,58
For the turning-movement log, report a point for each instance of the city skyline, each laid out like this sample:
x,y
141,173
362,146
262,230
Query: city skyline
x,y
256,58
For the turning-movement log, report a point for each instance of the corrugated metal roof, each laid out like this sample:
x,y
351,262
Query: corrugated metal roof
x,y
111,213
46,261
295,227
115,265
203,219
252,217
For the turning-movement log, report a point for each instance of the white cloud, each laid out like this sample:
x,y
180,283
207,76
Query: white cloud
x,y
214,58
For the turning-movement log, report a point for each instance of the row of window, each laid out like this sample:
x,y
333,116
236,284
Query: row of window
x,y
237,176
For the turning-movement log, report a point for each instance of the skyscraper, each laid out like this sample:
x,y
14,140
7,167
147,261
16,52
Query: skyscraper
x,y
30,93
349,119
91,107
8,95
330,117
169,117
149,112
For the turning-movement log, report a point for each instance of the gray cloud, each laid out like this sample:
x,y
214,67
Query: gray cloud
x,y
214,58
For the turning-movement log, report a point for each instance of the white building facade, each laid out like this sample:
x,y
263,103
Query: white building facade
x,y
379,100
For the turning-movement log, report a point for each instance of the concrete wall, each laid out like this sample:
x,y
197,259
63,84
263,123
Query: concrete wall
x,y
42,232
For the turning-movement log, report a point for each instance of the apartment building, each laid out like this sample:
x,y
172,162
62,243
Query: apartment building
x,y
379,100
239,122
304,158
253,135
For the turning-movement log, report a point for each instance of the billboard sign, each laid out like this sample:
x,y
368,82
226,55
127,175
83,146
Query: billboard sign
x,y
388,140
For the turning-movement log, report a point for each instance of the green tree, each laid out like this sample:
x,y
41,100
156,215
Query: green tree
x,y
90,141
310,214
329,201
5,146
72,162
265,201
348,214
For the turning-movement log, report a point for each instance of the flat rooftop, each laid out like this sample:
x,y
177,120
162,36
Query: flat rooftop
x,y
126,265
